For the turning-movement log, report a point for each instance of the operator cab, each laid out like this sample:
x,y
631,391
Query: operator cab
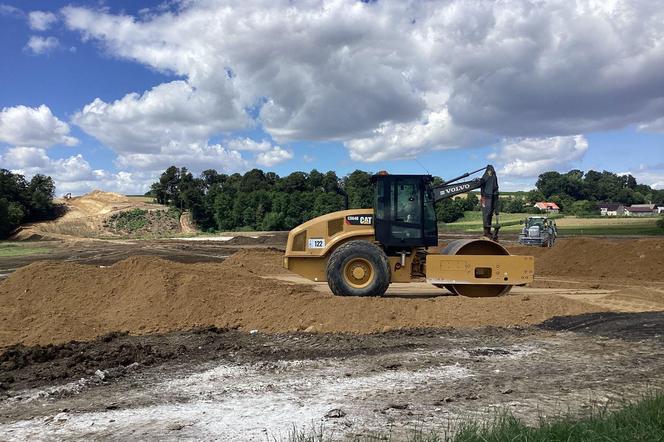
x,y
404,212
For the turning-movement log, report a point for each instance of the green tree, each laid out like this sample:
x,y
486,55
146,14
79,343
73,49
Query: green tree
x,y
22,202
41,190
295,182
360,189
471,202
327,203
534,196
551,183
449,210
513,205
584,208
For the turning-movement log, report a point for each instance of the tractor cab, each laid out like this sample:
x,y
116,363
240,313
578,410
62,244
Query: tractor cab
x,y
534,221
404,212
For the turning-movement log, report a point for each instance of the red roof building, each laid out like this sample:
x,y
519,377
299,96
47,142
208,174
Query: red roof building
x,y
547,207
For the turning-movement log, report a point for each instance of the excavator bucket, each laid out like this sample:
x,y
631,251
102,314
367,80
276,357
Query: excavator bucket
x,y
478,268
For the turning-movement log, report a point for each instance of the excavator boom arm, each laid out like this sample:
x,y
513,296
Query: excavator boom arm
x,y
451,190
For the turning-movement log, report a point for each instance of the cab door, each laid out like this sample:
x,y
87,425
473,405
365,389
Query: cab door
x,y
399,209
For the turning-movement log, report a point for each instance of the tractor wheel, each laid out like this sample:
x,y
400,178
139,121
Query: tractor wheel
x,y
358,268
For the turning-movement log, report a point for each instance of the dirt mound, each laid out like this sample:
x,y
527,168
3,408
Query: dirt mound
x,y
600,258
242,240
84,217
54,302
100,198
259,261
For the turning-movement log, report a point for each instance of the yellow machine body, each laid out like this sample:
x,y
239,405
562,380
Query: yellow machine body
x,y
310,244
477,267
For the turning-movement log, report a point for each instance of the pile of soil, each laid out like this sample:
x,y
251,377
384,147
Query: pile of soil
x,y
83,217
278,238
55,302
641,259
259,261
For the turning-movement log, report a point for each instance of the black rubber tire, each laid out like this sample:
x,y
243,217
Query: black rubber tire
x,y
363,250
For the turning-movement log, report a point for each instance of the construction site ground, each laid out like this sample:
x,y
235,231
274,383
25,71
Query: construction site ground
x,y
181,339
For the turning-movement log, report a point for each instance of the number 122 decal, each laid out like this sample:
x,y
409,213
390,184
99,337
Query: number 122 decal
x,y
316,243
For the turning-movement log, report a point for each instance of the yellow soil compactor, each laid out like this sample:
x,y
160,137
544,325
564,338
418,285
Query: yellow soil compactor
x,y
360,252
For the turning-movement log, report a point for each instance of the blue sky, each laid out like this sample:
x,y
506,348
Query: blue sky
x,y
107,94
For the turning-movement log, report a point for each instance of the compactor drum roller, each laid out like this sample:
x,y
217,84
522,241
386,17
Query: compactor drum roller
x,y
360,252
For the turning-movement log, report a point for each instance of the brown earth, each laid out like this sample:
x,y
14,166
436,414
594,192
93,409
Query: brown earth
x,y
54,302
118,354
631,258
83,217
50,302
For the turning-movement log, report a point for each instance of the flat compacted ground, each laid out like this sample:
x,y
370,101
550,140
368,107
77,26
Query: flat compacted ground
x,y
243,386
175,339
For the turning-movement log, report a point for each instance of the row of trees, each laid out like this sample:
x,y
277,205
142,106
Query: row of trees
x,y
24,201
259,200
578,193
266,201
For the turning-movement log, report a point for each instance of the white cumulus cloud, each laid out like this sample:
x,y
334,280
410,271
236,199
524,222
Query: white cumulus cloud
x,y
169,124
194,156
170,117
247,144
529,157
390,79
33,126
74,173
652,175
42,45
273,157
41,20
408,140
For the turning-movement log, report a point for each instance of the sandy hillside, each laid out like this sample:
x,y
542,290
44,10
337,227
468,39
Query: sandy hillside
x,y
84,216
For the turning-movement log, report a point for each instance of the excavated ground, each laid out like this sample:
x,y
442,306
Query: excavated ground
x,y
54,302
124,339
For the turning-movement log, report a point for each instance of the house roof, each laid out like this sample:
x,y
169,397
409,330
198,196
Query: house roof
x,y
547,205
641,209
649,206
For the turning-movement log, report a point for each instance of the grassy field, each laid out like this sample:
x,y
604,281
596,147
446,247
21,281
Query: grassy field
x,y
21,249
569,225
643,421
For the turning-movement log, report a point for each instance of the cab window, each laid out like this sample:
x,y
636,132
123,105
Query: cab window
x,y
407,209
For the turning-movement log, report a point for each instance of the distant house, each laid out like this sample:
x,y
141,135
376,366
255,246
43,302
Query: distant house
x,y
611,209
660,209
641,210
547,207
